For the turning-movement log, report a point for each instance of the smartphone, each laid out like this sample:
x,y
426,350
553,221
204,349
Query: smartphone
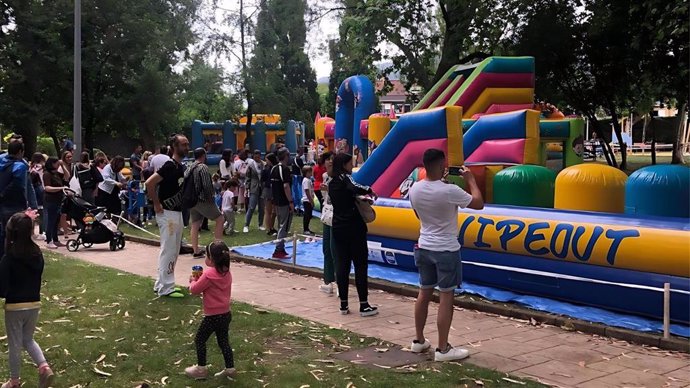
x,y
455,170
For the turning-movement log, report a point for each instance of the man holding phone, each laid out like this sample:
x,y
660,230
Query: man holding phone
x,y
437,254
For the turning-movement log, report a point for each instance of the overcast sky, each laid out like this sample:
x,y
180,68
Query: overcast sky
x,y
318,34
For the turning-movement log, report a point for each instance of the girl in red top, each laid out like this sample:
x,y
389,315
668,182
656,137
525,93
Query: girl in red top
x,y
215,284
319,170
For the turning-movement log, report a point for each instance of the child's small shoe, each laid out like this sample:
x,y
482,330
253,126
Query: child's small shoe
x,y
197,372
45,377
227,372
12,384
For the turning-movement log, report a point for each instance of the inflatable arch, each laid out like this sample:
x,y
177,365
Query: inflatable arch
x,y
355,102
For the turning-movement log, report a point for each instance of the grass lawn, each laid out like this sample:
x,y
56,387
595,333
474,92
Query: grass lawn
x,y
253,237
103,328
638,160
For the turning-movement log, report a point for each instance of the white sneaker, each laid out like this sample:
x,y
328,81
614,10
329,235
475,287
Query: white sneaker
x,y
41,237
261,228
51,245
451,355
245,229
417,347
326,289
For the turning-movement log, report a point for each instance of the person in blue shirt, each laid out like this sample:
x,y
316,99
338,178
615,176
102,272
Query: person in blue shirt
x,y
16,194
67,144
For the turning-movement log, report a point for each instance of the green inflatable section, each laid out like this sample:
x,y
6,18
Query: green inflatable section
x,y
525,185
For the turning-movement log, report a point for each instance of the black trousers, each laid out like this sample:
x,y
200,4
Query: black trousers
x,y
351,249
319,196
308,209
219,324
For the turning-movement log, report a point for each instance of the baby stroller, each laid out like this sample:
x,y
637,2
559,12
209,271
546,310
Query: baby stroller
x,y
94,225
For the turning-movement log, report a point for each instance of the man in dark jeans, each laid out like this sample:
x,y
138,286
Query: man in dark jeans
x,y
135,163
282,200
15,188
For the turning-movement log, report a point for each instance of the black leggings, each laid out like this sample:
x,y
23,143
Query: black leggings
x,y
351,248
219,324
319,196
308,209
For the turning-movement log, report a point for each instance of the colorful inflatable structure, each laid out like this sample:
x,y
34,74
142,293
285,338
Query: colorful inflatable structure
x,y
266,130
588,235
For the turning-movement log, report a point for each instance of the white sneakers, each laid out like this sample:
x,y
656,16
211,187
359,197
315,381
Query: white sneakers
x,y
245,229
451,353
417,347
261,228
327,289
52,245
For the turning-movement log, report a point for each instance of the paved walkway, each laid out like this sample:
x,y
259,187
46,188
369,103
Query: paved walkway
x,y
547,354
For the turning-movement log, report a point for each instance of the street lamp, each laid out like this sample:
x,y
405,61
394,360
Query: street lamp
x,y
76,116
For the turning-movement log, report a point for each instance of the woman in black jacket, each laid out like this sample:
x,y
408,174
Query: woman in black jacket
x,y
350,234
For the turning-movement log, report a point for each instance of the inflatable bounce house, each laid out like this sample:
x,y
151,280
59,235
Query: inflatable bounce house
x,y
588,234
267,129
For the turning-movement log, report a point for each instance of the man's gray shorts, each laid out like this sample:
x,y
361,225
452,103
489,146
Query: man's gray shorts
x,y
204,210
438,269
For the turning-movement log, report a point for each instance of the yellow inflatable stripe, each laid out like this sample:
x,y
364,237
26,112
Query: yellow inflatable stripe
x,y
499,96
641,249
454,129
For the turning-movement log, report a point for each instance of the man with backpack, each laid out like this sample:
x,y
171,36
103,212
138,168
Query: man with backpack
x,y
16,192
164,188
199,196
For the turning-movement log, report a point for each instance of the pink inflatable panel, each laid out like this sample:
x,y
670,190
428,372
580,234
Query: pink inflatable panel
x,y
329,130
499,151
406,161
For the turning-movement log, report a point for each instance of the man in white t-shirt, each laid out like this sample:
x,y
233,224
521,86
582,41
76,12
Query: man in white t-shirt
x,y
437,254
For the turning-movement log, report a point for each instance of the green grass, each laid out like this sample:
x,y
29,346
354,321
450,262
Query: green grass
x,y
637,161
253,237
96,319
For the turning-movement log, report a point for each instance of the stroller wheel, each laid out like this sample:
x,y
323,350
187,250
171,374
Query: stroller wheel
x,y
87,244
113,245
72,245
120,242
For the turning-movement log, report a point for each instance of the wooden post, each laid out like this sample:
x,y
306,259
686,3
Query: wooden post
x,y
294,249
667,307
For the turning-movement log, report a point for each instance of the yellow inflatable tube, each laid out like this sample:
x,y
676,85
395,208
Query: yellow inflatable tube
x,y
664,251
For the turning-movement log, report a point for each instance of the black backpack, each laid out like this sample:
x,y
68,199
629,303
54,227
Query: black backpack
x,y
190,192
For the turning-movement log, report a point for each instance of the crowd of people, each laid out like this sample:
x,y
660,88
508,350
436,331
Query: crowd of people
x,y
274,187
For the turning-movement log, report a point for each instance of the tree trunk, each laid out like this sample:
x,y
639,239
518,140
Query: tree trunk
x,y
619,133
644,129
450,51
29,132
653,144
245,80
603,141
53,134
677,156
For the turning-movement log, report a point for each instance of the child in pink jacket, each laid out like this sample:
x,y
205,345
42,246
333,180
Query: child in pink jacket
x,y
214,284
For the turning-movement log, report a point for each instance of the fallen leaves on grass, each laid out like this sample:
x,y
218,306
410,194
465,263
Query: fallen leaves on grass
x,y
381,350
101,358
164,380
513,381
315,373
101,373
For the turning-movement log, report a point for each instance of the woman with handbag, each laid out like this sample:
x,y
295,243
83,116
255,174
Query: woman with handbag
x,y
326,162
350,233
109,189
87,181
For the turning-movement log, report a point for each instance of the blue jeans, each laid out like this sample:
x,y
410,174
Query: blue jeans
x,y
52,215
254,202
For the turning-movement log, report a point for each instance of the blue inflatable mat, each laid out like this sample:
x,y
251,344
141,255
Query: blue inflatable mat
x,y
309,254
